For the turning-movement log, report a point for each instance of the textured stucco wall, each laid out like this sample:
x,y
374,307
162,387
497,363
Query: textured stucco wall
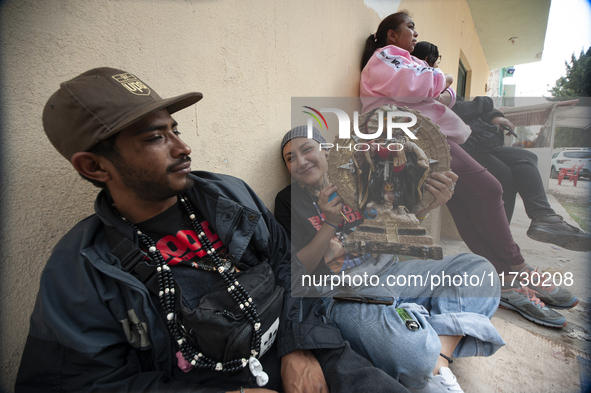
x,y
247,58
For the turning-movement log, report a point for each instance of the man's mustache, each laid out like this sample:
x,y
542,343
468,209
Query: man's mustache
x,y
178,163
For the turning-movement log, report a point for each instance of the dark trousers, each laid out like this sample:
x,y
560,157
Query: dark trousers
x,y
517,171
477,210
346,371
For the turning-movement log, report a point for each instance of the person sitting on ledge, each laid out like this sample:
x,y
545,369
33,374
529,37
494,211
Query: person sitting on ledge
x,y
453,320
515,168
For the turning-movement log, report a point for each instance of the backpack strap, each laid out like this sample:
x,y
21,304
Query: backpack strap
x,y
133,259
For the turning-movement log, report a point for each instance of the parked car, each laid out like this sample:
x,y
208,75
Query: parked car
x,y
569,157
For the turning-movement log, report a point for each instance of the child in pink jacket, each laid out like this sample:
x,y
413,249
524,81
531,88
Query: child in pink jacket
x,y
393,73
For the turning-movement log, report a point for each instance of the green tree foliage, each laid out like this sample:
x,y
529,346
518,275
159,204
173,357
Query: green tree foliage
x,y
577,82
572,137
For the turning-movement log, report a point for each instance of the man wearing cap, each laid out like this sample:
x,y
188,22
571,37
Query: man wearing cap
x,y
163,289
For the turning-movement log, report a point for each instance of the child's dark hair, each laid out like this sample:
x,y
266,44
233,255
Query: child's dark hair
x,y
380,38
426,51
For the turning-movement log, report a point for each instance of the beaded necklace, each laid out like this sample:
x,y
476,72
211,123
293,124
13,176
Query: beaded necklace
x,y
167,295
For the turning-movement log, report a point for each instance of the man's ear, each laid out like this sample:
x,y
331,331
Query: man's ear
x,y
91,166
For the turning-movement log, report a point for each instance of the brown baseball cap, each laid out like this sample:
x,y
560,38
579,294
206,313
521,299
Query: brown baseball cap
x,y
100,103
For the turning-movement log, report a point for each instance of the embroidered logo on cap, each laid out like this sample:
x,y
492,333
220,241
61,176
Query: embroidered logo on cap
x,y
133,84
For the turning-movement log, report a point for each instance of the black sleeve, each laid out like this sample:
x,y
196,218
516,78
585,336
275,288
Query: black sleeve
x,y
49,366
295,212
302,326
481,106
283,209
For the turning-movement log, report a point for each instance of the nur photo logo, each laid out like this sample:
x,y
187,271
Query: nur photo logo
x,y
345,123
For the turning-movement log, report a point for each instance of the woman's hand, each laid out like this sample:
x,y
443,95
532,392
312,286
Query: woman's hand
x,y
444,98
501,121
335,250
311,254
331,209
441,185
449,79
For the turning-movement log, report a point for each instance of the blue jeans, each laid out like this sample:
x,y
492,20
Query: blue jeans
x,y
379,334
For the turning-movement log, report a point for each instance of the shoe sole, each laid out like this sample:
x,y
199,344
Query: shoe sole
x,y
507,306
560,239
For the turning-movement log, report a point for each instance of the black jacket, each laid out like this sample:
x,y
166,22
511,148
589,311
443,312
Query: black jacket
x,y
480,106
95,327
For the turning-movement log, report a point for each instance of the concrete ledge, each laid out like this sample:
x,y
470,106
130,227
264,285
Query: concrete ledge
x,y
536,358
448,226
441,224
529,362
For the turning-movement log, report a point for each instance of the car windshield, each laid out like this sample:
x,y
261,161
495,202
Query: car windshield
x,y
582,154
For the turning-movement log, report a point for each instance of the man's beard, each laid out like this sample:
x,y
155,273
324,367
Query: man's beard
x,y
146,186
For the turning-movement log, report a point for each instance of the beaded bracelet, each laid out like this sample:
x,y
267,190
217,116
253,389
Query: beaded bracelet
x,y
326,222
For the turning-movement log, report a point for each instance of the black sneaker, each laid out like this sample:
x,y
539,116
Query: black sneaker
x,y
553,229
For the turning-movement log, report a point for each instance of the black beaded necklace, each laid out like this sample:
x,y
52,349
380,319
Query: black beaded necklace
x,y
166,296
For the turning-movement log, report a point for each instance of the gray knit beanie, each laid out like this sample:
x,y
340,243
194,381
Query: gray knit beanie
x,y
301,132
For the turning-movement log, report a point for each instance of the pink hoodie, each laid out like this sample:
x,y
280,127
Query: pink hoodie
x,y
393,77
